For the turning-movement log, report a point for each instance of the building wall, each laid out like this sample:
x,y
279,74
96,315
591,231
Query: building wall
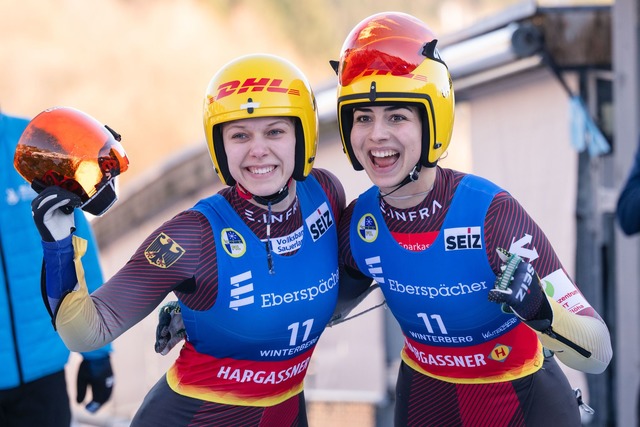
x,y
520,139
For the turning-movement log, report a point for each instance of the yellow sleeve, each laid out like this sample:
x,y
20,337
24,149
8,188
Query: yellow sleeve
x,y
77,319
589,334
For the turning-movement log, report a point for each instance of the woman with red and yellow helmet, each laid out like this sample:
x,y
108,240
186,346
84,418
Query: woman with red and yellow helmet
x,y
254,267
431,238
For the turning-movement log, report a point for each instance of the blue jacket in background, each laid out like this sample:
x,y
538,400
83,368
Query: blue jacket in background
x,y
628,210
30,348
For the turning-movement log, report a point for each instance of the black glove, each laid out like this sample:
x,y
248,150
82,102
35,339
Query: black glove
x,y
98,374
170,330
53,213
519,291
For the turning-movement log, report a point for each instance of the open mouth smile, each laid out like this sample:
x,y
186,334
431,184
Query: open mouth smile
x,y
383,158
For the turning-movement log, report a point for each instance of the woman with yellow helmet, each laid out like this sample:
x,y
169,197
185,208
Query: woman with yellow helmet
x,y
254,267
431,238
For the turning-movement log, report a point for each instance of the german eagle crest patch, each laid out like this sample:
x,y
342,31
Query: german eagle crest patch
x,y
163,252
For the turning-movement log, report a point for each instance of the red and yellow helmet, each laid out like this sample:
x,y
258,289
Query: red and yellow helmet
x,y
261,85
66,147
391,58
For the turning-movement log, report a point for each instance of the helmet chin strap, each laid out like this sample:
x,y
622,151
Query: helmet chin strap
x,y
272,199
412,177
267,201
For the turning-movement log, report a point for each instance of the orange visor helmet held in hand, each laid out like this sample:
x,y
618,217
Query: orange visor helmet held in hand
x,y
261,85
66,147
390,58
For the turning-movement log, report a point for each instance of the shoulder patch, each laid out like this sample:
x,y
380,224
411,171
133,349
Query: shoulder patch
x,y
233,242
163,252
368,228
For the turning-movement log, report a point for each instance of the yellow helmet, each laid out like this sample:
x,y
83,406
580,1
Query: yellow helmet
x,y
261,85
391,58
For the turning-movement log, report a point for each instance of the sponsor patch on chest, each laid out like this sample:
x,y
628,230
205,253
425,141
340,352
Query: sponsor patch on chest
x,y
319,222
462,238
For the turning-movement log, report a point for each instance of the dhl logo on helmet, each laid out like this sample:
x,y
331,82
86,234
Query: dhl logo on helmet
x,y
253,84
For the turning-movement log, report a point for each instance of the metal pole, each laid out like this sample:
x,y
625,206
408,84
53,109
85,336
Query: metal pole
x,y
626,55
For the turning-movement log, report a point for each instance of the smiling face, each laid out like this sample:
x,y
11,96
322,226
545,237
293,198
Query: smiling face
x,y
387,141
260,152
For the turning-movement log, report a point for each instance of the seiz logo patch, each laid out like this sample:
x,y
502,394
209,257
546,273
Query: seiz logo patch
x,y
163,252
525,283
500,353
319,221
232,242
368,228
241,290
462,238
253,84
